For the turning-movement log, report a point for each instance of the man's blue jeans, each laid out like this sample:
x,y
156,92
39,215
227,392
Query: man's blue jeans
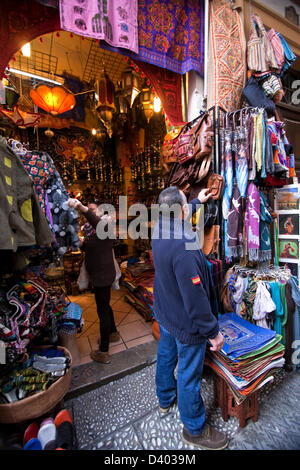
x,y
189,374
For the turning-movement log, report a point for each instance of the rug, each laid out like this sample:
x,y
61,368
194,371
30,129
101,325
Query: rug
x,y
227,57
167,85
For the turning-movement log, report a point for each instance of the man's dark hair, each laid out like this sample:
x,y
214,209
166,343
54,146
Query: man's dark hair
x,y
170,197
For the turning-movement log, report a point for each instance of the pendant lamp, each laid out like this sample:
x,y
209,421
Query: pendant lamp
x,y
55,100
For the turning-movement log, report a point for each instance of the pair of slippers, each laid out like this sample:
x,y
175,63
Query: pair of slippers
x,y
51,434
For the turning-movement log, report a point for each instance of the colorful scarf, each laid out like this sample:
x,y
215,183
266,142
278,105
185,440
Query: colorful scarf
x,y
265,252
248,300
235,226
252,220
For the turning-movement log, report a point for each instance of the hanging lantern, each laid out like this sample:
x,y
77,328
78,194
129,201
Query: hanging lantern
x,y
130,85
147,97
55,100
121,105
49,133
105,91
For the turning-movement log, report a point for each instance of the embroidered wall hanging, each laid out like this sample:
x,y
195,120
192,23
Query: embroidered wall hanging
x,y
227,56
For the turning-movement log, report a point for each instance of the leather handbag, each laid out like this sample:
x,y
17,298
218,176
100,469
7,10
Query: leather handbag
x,y
184,144
215,185
203,138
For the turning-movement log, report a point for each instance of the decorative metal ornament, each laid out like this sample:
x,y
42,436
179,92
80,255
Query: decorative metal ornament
x,y
105,90
130,85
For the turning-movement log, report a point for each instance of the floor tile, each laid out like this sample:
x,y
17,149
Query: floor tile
x,y
137,341
86,326
133,330
130,317
121,306
119,317
90,313
115,348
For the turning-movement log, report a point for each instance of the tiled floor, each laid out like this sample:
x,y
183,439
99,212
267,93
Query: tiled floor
x,y
132,327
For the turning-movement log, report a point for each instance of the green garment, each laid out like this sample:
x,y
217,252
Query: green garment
x,y
285,309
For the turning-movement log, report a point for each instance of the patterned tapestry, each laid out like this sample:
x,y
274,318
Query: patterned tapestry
x,y
171,35
114,21
227,56
167,85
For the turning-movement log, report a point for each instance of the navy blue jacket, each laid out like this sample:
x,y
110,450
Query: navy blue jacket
x,y
182,283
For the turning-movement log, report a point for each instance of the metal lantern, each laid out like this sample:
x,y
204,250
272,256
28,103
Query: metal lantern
x,y
121,105
105,90
130,85
55,100
147,97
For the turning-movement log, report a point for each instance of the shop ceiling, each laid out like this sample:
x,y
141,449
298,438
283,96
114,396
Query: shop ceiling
x,y
59,53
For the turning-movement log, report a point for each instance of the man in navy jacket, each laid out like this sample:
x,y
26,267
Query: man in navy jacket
x,y
187,316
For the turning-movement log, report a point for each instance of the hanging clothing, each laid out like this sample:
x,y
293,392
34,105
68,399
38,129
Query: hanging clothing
x,y
265,252
235,226
279,312
240,287
252,221
263,305
296,298
22,220
65,219
40,171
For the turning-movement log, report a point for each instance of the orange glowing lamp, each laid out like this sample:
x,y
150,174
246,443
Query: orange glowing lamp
x,y
55,100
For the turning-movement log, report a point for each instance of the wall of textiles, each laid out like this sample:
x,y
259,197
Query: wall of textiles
x,y
268,298
255,155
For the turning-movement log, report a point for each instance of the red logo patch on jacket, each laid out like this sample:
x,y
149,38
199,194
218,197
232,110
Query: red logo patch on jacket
x,y
196,280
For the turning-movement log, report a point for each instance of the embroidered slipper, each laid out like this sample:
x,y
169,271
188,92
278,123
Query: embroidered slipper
x,y
65,436
31,432
33,444
62,417
47,432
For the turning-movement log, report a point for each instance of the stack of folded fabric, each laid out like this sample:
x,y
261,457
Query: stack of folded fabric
x,y
250,357
138,278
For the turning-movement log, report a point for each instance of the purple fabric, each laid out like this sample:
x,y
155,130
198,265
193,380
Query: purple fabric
x,y
114,21
252,220
170,35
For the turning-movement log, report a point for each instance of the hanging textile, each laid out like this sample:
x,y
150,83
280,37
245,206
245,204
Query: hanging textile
x,y
167,85
171,35
235,226
226,57
252,219
265,252
112,21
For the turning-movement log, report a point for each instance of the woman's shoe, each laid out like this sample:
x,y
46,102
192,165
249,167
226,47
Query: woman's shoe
x,y
99,356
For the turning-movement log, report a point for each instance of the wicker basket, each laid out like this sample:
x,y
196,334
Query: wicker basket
x,y
39,404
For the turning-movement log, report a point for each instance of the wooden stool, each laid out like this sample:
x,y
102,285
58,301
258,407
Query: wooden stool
x,y
229,407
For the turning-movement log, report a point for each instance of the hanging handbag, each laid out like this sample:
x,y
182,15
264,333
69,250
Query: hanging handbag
x,y
83,278
215,185
257,98
184,143
260,52
204,138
